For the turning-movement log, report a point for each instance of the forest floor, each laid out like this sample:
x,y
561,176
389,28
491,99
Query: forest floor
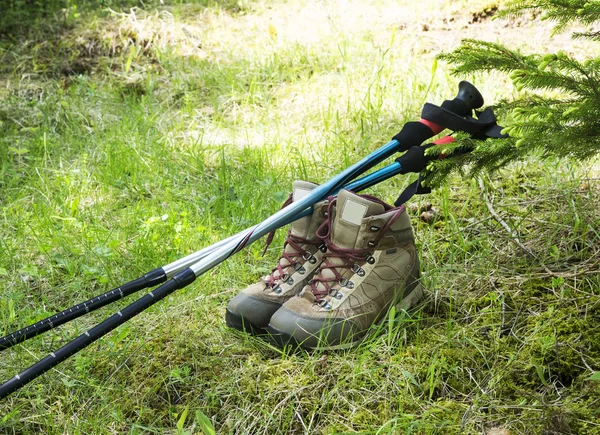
x,y
130,137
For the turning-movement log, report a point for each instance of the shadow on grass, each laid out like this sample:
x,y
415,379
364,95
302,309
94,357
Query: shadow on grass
x,y
63,38
24,18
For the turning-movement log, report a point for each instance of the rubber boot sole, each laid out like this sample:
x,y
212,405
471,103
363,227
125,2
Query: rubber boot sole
x,y
238,322
283,339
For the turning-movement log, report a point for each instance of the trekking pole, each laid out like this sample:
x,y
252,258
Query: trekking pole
x,y
412,134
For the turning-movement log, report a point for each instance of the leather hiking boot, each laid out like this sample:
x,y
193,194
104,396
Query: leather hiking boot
x,y
369,265
252,309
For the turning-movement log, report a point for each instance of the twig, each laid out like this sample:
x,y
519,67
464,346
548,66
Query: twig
x,y
513,236
464,418
515,239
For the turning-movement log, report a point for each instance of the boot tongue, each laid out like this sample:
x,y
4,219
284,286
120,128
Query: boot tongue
x,y
300,190
349,213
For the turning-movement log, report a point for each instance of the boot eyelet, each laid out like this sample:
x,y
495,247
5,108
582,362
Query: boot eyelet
x,y
372,244
322,247
290,281
325,214
358,270
371,259
339,295
374,228
307,256
324,304
298,268
277,290
343,282
350,285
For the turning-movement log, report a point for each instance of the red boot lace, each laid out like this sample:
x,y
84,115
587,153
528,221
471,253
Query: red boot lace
x,y
351,258
293,258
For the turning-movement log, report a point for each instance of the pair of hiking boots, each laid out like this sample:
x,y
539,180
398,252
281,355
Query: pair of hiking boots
x,y
341,269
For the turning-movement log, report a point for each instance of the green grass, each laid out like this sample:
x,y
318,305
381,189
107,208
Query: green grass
x,y
126,143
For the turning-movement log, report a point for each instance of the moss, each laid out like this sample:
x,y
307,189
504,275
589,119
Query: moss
x,y
564,338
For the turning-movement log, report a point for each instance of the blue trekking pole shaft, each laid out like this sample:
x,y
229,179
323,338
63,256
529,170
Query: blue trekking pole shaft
x,y
356,186
414,132
297,209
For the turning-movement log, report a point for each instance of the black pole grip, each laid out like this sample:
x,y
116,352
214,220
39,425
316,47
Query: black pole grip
x,y
467,100
178,281
150,279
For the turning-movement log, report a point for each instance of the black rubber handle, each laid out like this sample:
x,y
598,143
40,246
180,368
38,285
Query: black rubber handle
x,y
468,93
412,134
415,160
467,100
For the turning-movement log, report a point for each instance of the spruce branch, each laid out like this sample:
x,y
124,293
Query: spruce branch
x,y
592,36
557,111
474,55
563,12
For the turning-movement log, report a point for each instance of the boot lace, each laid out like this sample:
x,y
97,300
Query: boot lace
x,y
294,259
279,272
351,258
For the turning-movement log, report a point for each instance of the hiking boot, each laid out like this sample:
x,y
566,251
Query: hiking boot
x,y
252,309
369,265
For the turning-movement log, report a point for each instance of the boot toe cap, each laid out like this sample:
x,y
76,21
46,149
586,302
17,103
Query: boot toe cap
x,y
246,312
290,327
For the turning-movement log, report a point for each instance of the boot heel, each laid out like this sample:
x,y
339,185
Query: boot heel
x,y
412,299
